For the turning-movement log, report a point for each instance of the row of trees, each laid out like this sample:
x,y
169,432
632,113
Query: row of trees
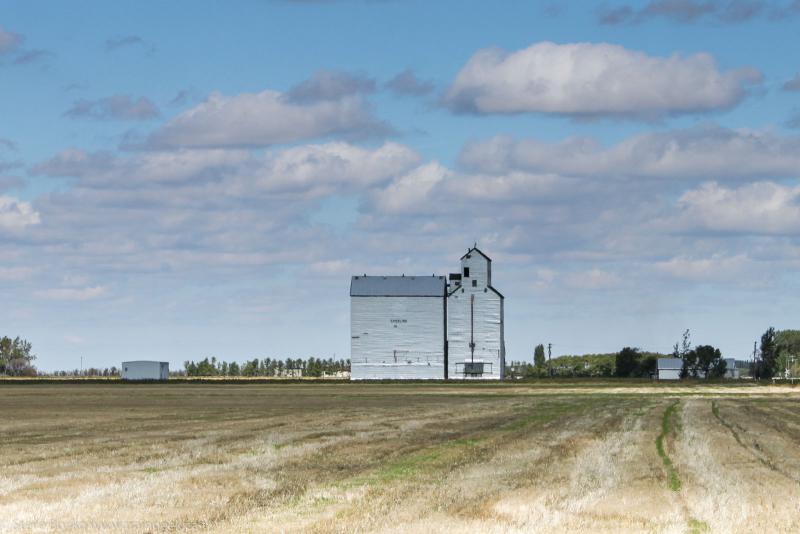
x,y
314,367
16,358
703,361
88,372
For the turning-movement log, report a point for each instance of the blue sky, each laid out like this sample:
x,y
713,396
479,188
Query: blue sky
x,y
190,179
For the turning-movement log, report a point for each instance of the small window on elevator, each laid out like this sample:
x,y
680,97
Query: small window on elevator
x,y
466,272
474,283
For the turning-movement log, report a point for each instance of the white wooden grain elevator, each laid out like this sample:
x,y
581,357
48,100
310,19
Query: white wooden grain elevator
x,y
428,327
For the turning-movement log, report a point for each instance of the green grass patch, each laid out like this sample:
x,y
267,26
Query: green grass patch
x,y
153,469
698,527
421,463
672,473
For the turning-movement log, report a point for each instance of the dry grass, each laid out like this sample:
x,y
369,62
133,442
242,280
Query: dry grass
x,y
387,458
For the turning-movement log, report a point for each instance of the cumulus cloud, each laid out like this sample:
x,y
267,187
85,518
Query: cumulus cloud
x,y
701,152
406,83
412,192
16,214
330,85
116,107
588,79
715,268
203,210
756,208
266,118
309,170
691,11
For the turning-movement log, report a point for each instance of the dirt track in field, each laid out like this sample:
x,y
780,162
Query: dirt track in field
x,y
389,458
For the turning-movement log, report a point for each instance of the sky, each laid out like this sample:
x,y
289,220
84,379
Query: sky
x,y
187,179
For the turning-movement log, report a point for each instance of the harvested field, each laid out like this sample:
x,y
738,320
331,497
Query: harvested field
x,y
207,457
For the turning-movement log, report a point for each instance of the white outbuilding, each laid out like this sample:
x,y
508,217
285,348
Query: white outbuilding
x,y
145,370
422,327
670,368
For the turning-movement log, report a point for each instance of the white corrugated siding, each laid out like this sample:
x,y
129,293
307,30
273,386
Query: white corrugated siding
x,y
487,333
145,370
669,374
397,337
488,321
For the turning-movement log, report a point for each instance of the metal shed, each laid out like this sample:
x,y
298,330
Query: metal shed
x,y
670,368
145,370
397,327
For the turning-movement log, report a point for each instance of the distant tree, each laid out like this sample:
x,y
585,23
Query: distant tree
x,y
538,356
647,365
627,362
708,361
682,350
768,355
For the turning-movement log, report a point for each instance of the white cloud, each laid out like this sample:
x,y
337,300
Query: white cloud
x,y
309,170
757,208
412,192
334,167
702,152
594,80
592,279
104,169
16,214
716,268
71,293
266,118
15,274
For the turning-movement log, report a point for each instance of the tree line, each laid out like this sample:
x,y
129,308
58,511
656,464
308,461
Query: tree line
x,y
778,353
268,367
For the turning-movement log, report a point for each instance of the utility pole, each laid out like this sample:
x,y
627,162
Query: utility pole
x,y
81,365
755,367
549,366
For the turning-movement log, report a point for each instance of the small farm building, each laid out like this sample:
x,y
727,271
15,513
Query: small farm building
x,y
731,370
669,368
145,370
428,327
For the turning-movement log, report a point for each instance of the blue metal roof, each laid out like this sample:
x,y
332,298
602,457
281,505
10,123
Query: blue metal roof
x,y
670,363
398,286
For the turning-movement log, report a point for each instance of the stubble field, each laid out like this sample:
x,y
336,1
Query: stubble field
x,y
387,458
